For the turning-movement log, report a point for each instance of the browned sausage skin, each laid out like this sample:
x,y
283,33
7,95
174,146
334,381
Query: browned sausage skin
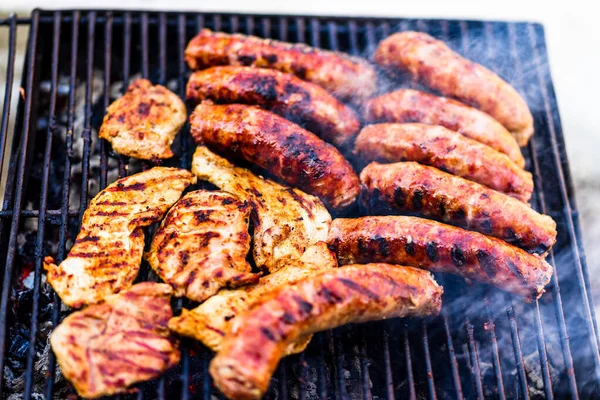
x,y
434,63
414,188
439,247
346,77
304,103
356,293
445,150
288,152
407,105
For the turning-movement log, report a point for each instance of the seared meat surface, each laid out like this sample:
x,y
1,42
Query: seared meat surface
x,y
289,153
407,105
105,348
439,247
446,150
258,339
210,321
301,102
107,253
414,188
144,121
346,77
286,220
201,245
434,63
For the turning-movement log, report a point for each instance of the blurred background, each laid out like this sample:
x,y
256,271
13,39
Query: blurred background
x,y
573,38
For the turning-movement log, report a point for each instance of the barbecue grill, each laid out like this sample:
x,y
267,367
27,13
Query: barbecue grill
x,y
485,344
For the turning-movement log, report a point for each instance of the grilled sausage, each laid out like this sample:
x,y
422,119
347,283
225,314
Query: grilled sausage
x,y
438,247
446,150
432,62
346,77
288,152
356,293
410,187
407,105
304,103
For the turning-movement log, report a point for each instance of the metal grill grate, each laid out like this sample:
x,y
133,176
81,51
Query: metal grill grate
x,y
486,343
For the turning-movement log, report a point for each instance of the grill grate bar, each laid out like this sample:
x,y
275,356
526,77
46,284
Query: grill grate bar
x,y
162,48
108,33
10,71
428,368
144,38
412,395
389,382
452,356
20,180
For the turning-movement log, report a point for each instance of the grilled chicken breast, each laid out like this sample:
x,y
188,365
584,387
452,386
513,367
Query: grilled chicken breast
x,y
301,102
250,353
346,77
407,105
445,150
286,220
201,245
439,247
434,63
412,188
107,253
144,122
210,321
289,153
105,348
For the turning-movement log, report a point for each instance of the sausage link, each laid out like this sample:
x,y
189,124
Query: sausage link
x,y
407,105
356,293
434,63
288,152
438,247
414,188
445,150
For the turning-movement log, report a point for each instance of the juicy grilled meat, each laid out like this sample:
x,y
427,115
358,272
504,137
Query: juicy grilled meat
x,y
438,247
432,62
346,77
210,321
410,187
107,253
108,347
286,220
446,150
288,152
356,293
407,105
201,245
144,122
304,103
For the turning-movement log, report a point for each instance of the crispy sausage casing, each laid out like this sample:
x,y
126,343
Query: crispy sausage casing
x,y
346,77
288,152
446,150
439,247
414,188
407,105
356,293
304,103
433,62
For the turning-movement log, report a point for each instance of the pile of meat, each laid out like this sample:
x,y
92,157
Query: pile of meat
x,y
441,188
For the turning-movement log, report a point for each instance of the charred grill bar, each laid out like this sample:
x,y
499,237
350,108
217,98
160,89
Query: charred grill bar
x,y
486,343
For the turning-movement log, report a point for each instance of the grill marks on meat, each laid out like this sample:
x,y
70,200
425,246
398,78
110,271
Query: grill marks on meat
x,y
250,353
438,247
304,103
286,220
106,348
288,152
410,187
201,245
107,253
434,63
144,122
407,105
346,77
445,150
210,321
